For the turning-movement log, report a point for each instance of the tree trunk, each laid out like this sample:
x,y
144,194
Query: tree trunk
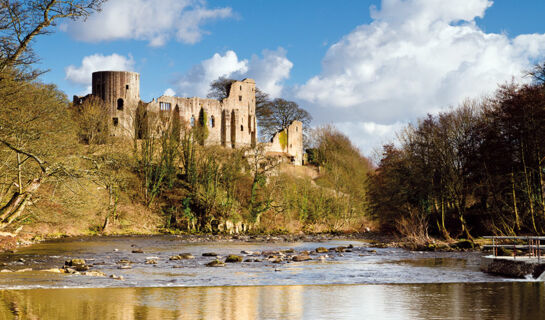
x,y
16,205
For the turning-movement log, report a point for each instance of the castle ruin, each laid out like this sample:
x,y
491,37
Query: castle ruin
x,y
231,122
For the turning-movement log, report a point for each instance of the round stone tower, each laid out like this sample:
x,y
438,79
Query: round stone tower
x,y
120,91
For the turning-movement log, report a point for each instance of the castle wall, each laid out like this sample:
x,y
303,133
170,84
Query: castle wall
x,y
231,122
289,141
120,91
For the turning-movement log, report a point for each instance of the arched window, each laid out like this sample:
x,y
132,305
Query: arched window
x,y
120,104
212,122
192,121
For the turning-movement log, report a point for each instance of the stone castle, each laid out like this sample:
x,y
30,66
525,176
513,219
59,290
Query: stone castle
x,y
231,122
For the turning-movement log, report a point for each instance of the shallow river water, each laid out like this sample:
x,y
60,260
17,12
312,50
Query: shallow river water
x,y
367,283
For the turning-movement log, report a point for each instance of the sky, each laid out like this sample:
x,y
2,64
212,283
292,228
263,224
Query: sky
x,y
368,67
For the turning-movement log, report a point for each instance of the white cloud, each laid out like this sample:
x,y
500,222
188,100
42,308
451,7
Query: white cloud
x,y
269,72
370,136
169,92
197,81
417,56
156,21
82,75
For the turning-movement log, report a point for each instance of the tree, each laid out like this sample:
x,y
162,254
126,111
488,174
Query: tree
x,y
35,135
21,21
220,88
538,73
278,114
92,117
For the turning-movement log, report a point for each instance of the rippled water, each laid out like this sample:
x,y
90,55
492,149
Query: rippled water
x,y
386,284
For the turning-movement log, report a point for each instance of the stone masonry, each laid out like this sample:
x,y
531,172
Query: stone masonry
x,y
231,122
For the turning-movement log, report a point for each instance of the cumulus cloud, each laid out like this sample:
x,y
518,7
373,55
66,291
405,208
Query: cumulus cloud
x,y
269,71
415,57
197,81
81,75
370,136
169,92
155,21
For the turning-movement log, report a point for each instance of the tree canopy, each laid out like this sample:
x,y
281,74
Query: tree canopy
x,y
22,20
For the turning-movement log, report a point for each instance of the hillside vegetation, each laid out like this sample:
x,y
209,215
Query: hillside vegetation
x,y
62,173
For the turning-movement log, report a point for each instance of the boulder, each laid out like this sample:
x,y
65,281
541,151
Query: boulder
x,y
209,254
75,262
175,258
232,258
301,257
151,261
124,261
138,251
186,256
321,250
81,267
215,263
113,276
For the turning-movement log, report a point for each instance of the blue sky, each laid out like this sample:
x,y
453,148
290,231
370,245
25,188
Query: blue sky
x,y
367,71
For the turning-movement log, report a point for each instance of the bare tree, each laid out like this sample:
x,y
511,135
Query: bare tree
x,y
538,73
35,137
92,117
278,114
220,88
22,20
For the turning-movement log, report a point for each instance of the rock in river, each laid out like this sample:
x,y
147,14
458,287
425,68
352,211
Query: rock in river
x,y
301,258
209,254
215,263
321,250
233,258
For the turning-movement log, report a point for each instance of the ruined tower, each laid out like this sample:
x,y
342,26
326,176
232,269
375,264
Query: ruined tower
x,y
120,91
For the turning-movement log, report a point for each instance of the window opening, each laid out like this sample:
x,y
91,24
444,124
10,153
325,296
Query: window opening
x,y
239,98
164,106
120,104
115,121
212,122
192,121
241,128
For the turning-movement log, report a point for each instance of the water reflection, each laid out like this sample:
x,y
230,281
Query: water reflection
x,y
514,300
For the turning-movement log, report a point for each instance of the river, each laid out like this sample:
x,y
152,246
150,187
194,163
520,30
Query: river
x,y
361,283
